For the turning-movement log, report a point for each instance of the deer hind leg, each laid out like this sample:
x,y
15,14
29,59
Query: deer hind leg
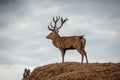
x,y
85,55
83,48
82,54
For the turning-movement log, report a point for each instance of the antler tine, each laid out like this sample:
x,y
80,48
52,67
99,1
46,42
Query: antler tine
x,y
55,20
62,22
66,19
52,25
50,28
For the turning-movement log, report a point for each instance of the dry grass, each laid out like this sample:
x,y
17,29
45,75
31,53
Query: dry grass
x,y
76,71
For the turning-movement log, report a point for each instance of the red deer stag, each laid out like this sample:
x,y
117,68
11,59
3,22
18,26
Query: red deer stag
x,y
68,42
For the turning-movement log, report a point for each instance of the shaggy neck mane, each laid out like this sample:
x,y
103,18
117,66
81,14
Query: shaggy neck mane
x,y
56,37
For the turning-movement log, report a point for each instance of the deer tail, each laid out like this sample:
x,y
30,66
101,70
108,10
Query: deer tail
x,y
81,36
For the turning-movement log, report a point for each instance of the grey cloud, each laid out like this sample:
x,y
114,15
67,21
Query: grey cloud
x,y
6,43
23,30
6,60
98,9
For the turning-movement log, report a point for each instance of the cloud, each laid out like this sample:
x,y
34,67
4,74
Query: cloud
x,y
24,26
23,31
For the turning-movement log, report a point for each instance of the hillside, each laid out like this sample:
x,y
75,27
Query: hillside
x,y
76,71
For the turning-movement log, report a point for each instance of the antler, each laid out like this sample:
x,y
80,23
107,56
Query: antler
x,y
55,20
50,28
62,22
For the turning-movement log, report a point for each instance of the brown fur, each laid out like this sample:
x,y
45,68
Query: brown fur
x,y
67,43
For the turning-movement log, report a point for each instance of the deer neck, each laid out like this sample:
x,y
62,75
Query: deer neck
x,y
56,37
56,40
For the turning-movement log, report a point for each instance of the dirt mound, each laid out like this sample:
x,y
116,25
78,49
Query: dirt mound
x,y
76,71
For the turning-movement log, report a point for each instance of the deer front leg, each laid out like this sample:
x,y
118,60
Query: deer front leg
x,y
63,54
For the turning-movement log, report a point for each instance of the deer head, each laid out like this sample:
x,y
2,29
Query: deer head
x,y
54,34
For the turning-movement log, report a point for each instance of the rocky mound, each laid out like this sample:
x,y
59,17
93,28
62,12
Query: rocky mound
x,y
76,71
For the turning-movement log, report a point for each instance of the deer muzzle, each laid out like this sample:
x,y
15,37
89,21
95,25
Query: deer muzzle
x,y
47,37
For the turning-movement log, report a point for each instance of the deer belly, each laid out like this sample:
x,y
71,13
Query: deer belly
x,y
67,47
70,48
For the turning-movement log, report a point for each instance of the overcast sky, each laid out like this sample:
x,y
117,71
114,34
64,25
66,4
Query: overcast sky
x,y
23,31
